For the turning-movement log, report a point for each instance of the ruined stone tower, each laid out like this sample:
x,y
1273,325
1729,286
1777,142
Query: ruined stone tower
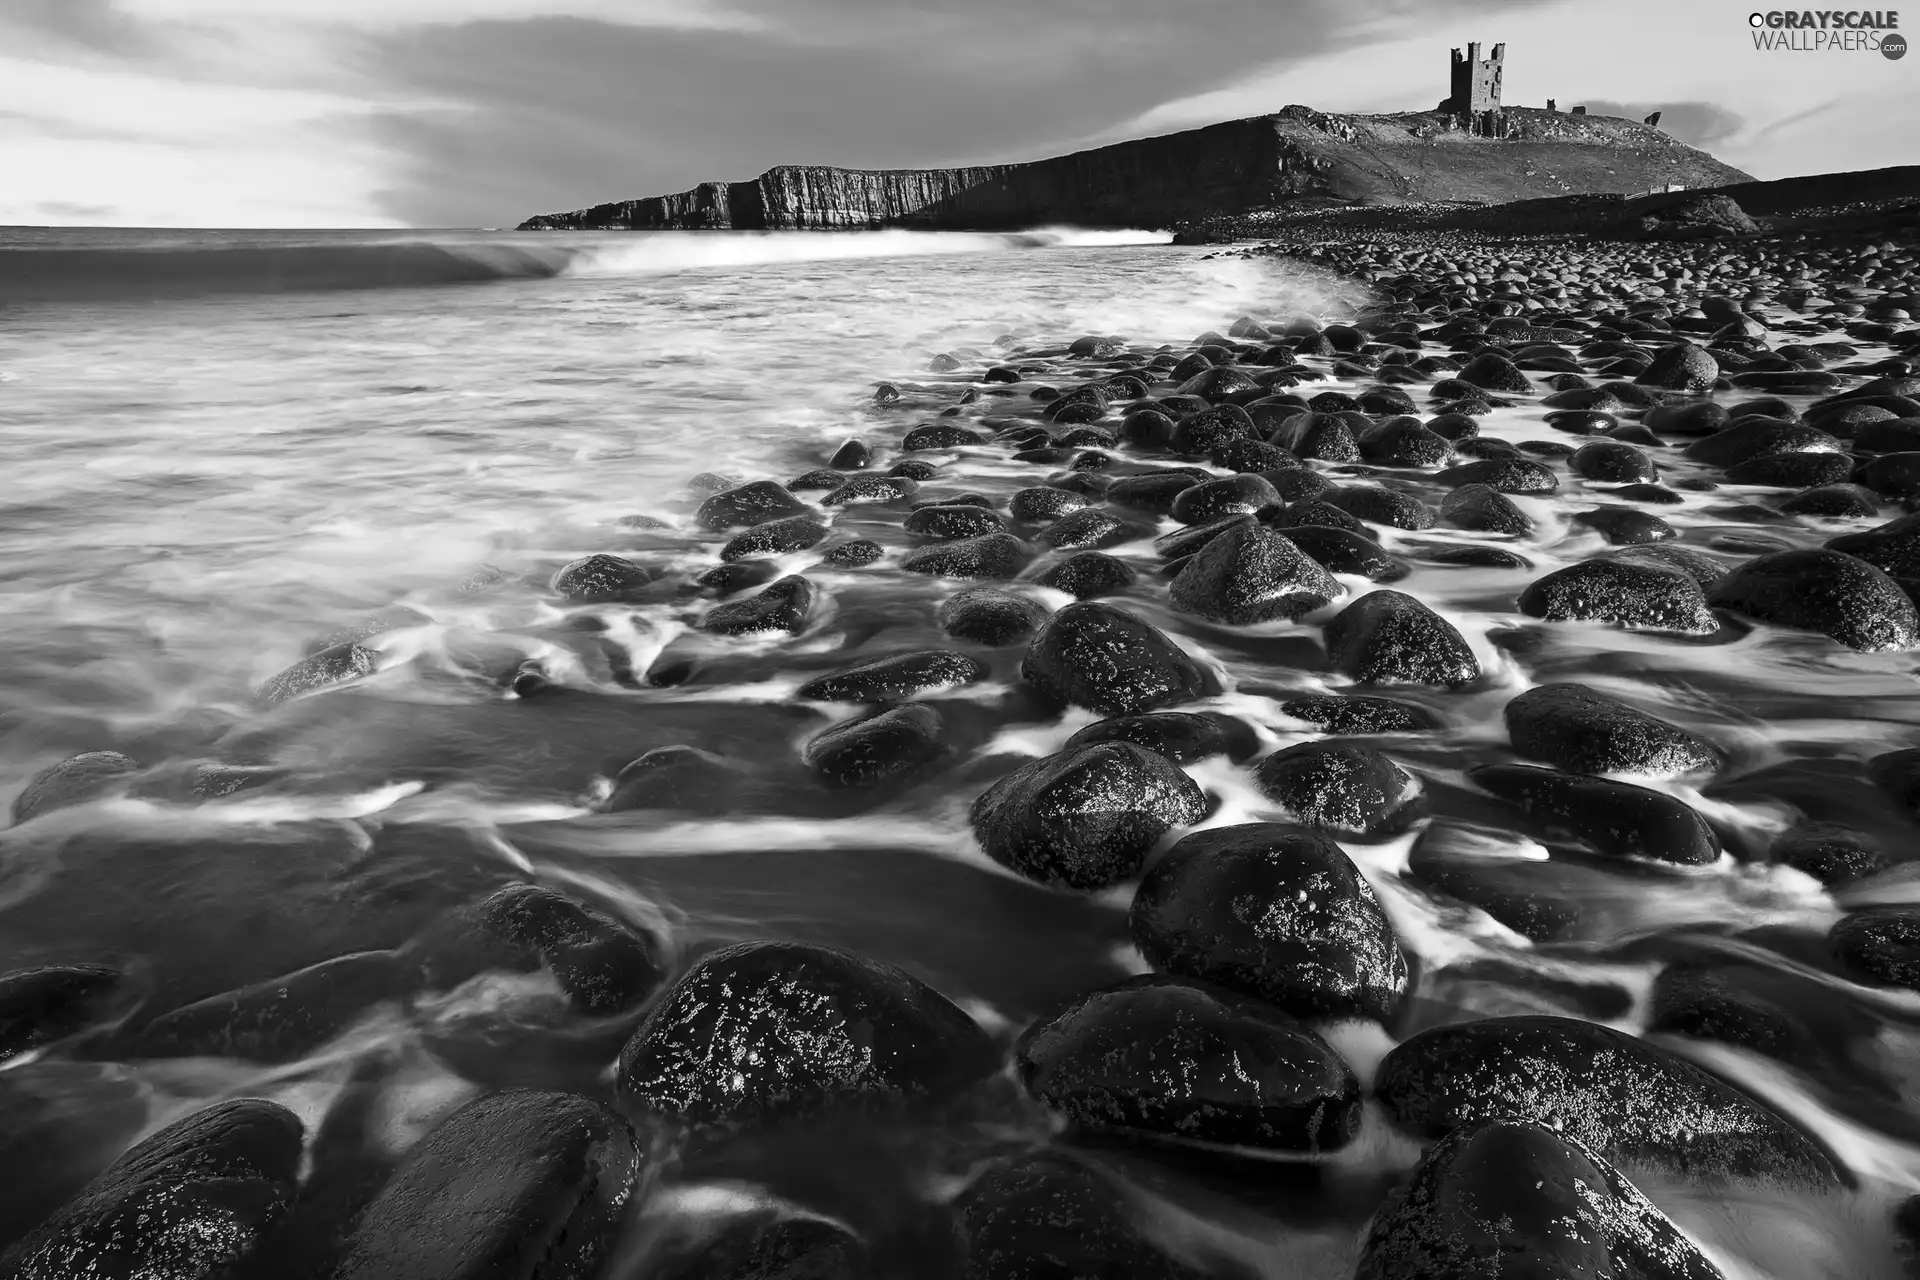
x,y
1476,81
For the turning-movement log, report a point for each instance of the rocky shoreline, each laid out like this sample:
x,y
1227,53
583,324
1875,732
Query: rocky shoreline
x,y
1159,522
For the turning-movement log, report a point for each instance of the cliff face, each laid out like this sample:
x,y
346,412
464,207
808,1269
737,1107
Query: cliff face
x,y
1222,169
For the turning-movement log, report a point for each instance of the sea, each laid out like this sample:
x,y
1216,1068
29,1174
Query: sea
x,y
221,449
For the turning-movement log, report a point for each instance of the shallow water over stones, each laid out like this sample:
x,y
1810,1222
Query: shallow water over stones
x,y
798,915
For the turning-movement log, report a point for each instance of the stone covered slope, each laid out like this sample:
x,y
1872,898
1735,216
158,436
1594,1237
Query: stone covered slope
x,y
1241,165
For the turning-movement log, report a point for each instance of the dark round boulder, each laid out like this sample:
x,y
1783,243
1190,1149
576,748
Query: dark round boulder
x,y
989,616
749,504
1352,790
1625,526
950,522
1516,1198
1048,1216
1582,730
853,553
1095,656
1153,491
775,538
1480,508
1492,371
1879,945
854,455
1754,437
1513,474
764,1032
765,1244
1344,551
1087,817
783,606
1086,574
1358,714
1681,367
1404,442
892,679
1380,505
1199,434
1793,470
1388,637
993,555
1247,456
1147,429
1249,574
1211,500
1091,529
1616,818
1893,547
1043,502
72,781
1838,595
191,1201
940,435
1629,593
1611,461
1623,1097
1326,436
1833,502
44,1004
1184,1061
601,577
1274,912
894,743
512,1176
1180,736
604,966
864,489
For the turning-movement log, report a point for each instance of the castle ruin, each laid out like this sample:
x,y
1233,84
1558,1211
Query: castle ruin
x,y
1475,90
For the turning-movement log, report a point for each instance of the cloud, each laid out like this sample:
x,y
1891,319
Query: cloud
x,y
1698,124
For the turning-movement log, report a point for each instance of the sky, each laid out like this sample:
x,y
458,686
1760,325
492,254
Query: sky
x,y
479,113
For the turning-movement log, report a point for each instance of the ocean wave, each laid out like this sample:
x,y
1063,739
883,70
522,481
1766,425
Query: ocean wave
x,y
76,272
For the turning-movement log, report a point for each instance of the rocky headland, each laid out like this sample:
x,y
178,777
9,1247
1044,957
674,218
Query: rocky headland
x,y
1295,156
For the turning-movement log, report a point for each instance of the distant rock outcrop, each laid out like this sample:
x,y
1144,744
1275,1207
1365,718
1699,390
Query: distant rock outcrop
x,y
1296,155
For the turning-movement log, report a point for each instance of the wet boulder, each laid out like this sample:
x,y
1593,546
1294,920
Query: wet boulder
x,y
749,504
189,1202
775,538
782,606
1629,593
604,965
1153,491
279,1019
1681,367
866,752
1833,501
1199,434
1096,656
1511,474
1491,371
852,455
520,1183
1338,787
1248,574
1049,1216
871,489
893,679
1757,437
1611,461
1404,442
1838,595
950,523
1090,529
1377,504
1517,1198
1326,436
993,555
1388,637
1180,736
1626,1099
1625,526
1274,912
1178,1060
940,435
597,578
1893,547
765,1244
1086,574
1210,500
1879,946
1343,551
1582,730
1479,508
74,780
989,616
1830,852
1087,817
1333,713
1793,470
324,670
1616,818
41,1005
764,1032
1042,503
676,777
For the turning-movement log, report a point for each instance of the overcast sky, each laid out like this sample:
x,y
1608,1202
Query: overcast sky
x,y
443,113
